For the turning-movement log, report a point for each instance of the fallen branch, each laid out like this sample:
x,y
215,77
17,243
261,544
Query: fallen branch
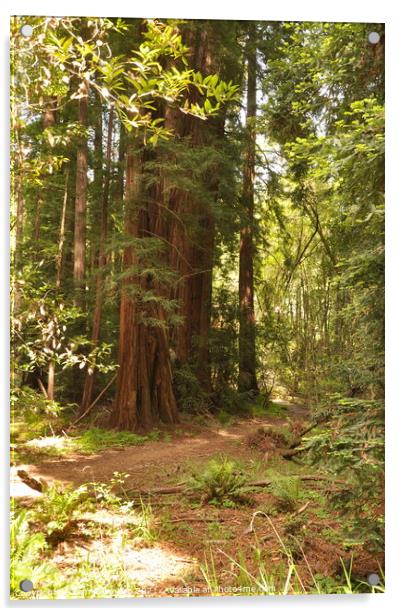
x,y
303,508
287,454
90,407
297,441
181,489
39,485
195,519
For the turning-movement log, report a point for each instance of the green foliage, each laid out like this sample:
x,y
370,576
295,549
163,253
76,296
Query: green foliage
x,y
223,345
32,415
97,439
267,408
318,258
55,517
26,554
351,442
286,489
220,483
224,418
191,398
59,509
28,447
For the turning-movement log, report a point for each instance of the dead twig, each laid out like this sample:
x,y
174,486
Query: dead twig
x,y
195,519
303,508
90,407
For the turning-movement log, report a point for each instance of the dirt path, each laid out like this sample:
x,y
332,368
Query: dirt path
x,y
153,463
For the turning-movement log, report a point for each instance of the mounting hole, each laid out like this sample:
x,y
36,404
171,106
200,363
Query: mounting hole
x,y
26,585
373,38
373,579
26,30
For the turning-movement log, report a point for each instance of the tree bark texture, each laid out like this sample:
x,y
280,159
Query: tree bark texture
x,y
144,383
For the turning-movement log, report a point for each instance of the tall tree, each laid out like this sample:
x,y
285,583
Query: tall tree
x,y
144,383
247,335
81,191
100,264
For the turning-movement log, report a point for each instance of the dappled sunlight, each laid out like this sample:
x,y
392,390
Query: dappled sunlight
x,y
226,433
197,307
144,566
58,442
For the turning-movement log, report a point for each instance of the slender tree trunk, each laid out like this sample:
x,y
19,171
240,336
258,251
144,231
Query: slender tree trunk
x,y
121,163
50,380
81,194
60,253
19,199
49,119
101,262
247,355
18,234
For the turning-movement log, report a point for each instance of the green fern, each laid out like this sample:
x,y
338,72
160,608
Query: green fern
x,y
221,482
26,549
286,489
60,508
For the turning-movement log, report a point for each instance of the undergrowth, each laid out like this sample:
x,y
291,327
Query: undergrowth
x,y
221,482
77,517
260,577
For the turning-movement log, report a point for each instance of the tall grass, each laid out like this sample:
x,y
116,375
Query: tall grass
x,y
260,581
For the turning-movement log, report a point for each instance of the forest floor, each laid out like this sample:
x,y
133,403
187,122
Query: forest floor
x,y
187,546
155,461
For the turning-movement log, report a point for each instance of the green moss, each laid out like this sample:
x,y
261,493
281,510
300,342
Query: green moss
x,y
271,409
96,439
224,417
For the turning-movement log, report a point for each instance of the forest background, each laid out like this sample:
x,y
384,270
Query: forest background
x,y
290,367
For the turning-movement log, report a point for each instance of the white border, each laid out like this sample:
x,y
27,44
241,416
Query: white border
x,y
340,10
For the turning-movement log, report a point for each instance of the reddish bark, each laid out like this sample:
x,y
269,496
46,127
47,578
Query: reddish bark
x,y
144,383
192,229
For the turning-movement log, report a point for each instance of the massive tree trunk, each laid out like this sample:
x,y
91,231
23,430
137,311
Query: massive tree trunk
x,y
81,193
192,233
144,383
247,356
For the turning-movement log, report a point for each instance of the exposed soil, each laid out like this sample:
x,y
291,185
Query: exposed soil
x,y
190,534
154,462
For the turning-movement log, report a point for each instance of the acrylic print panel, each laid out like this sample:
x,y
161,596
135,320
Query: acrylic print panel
x,y
197,307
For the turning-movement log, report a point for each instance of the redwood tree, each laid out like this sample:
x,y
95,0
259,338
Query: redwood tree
x,y
144,382
247,356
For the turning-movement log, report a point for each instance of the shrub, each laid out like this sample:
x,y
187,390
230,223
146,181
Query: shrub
x,y
60,508
351,441
286,489
26,549
33,415
190,396
221,482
